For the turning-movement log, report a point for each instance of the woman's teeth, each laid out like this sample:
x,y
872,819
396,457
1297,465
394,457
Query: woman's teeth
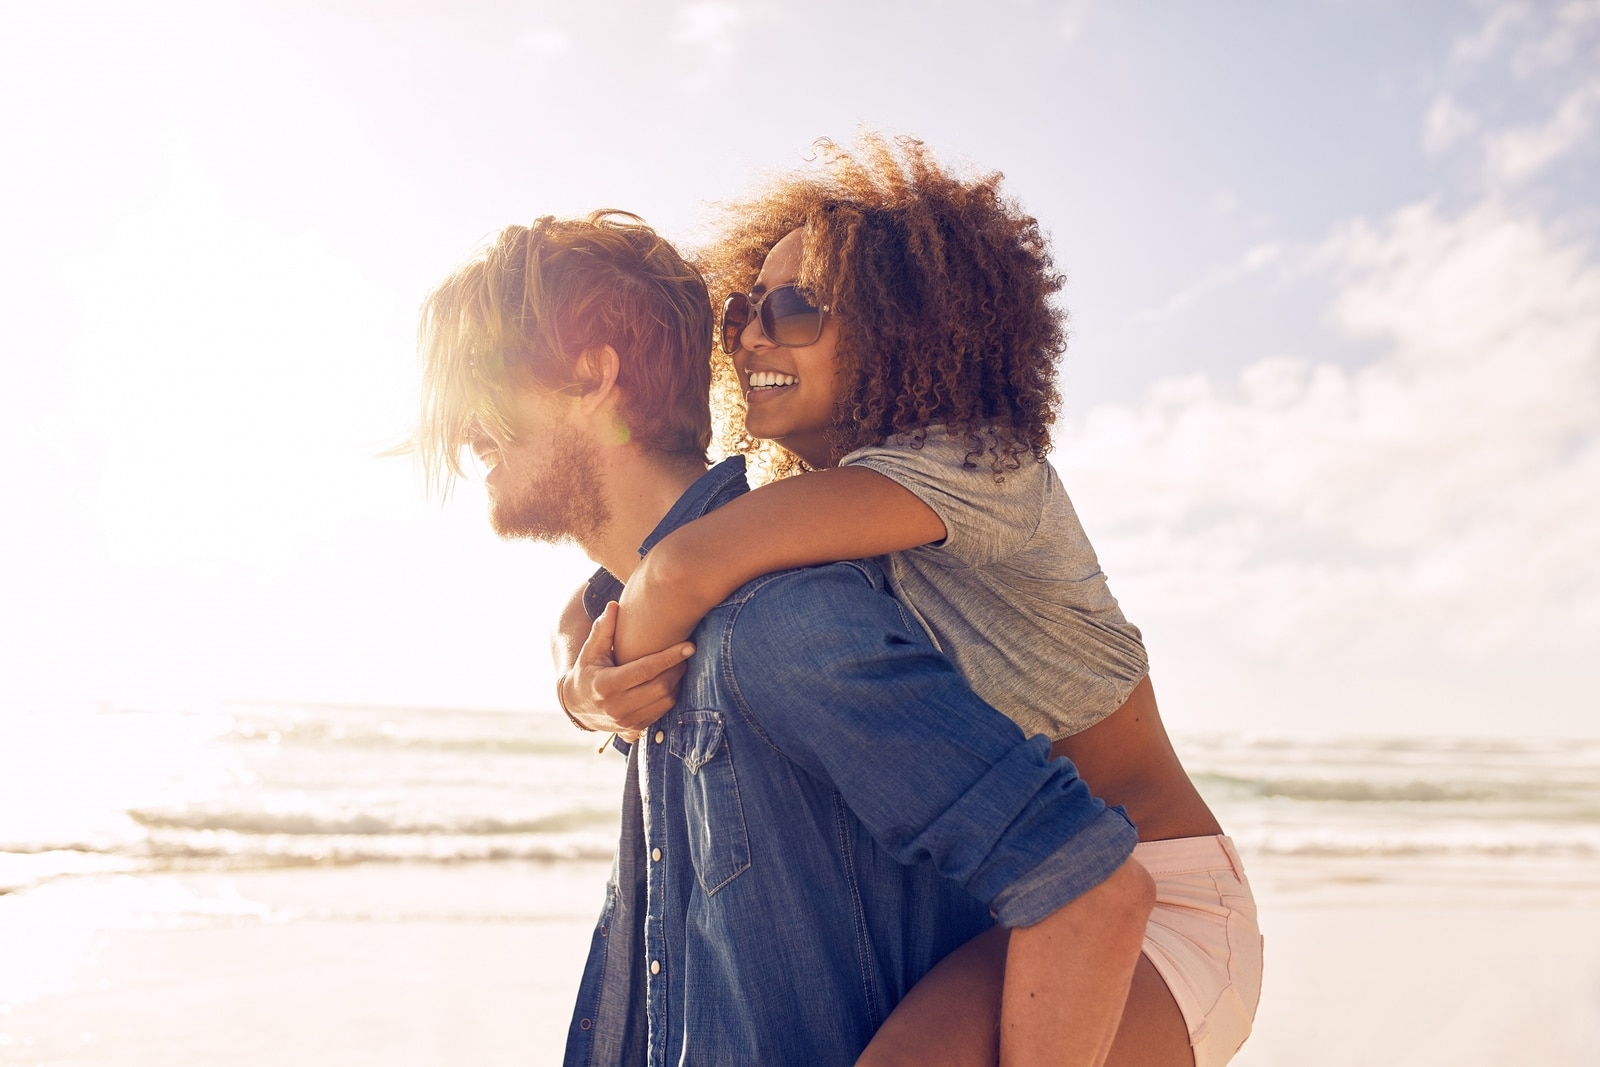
x,y
771,379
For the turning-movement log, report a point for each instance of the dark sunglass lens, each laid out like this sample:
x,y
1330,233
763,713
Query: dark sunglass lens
x,y
790,319
735,317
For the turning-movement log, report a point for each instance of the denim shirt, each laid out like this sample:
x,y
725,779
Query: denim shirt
x,y
826,812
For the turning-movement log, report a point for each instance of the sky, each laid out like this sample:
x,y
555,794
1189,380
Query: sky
x,y
1332,396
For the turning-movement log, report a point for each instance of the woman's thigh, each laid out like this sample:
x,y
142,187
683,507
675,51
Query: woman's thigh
x,y
952,1016
1153,1032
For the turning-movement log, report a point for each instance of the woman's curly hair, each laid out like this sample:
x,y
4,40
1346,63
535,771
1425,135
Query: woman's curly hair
x,y
942,287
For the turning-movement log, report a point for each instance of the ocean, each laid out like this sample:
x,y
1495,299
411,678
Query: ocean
x,y
92,792
97,791
171,819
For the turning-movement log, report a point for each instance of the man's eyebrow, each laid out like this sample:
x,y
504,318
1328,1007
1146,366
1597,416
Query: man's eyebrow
x,y
757,289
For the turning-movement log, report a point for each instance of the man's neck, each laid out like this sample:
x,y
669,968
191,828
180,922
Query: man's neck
x,y
640,488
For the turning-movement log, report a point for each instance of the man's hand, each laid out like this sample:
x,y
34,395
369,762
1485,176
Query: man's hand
x,y
624,699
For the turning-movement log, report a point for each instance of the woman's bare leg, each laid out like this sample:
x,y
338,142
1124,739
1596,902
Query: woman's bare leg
x,y
952,1016
1153,1033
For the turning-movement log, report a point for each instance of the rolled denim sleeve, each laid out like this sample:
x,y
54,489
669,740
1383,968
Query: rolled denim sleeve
x,y
830,670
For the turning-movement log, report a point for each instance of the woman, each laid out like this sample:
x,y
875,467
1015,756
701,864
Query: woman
x,y
898,342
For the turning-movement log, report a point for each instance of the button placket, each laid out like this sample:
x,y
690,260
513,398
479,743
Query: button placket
x,y
656,940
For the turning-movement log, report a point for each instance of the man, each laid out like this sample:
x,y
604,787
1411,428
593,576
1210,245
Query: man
x,y
828,809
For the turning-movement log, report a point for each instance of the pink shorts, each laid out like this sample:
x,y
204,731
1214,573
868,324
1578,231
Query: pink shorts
x,y
1204,941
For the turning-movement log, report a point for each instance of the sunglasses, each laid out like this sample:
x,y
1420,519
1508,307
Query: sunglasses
x,y
787,318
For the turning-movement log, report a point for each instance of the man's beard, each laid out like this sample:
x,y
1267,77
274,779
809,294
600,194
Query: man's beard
x,y
560,501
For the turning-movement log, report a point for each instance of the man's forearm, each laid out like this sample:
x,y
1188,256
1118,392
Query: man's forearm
x,y
1067,976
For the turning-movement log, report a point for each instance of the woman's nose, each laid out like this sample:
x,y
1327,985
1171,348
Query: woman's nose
x,y
753,336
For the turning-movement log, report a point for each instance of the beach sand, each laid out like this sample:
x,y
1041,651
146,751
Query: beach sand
x,y
1419,965
399,965
389,964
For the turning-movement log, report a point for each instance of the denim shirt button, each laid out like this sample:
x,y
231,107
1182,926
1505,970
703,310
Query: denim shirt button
x,y
585,1024
655,854
655,966
661,735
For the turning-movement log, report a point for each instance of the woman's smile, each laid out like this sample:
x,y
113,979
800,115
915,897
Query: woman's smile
x,y
764,385
789,390
763,380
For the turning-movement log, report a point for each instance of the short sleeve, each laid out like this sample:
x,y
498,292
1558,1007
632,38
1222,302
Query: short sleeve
x,y
985,520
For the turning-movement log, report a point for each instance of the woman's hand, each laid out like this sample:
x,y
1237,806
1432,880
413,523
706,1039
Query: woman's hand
x,y
624,699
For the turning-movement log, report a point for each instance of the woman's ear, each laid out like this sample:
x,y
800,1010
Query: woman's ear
x,y
597,378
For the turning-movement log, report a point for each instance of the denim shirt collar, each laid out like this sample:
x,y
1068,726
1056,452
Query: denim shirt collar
x,y
710,491
714,488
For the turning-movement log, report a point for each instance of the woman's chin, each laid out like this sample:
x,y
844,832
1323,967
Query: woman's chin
x,y
759,426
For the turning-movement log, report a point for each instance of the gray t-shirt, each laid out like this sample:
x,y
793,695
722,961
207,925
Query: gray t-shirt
x,y
1013,593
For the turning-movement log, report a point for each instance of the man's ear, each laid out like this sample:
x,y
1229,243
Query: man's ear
x,y
597,373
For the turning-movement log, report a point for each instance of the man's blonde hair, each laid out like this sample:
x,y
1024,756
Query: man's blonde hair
x,y
524,313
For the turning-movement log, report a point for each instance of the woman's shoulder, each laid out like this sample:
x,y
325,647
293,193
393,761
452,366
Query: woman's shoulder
x,y
990,509
978,456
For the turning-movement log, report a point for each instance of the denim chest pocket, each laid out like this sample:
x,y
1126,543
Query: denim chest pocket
x,y
718,843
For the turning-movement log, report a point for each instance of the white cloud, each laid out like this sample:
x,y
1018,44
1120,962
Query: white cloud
x,y
1502,21
544,43
1447,123
1564,39
1532,38
1437,505
1515,155
1529,71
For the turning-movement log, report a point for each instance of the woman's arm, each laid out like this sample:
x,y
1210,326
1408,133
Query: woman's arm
x,y
597,694
821,517
841,513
